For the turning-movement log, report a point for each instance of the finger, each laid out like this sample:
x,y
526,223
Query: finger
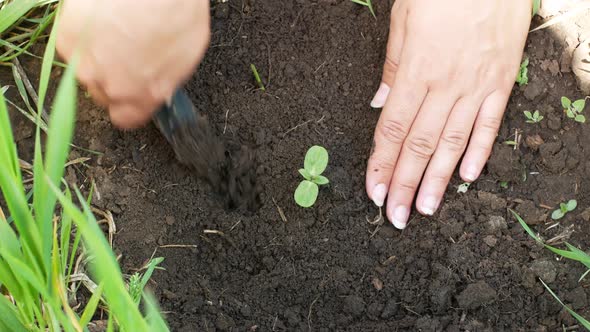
x,y
395,44
391,131
129,116
97,94
415,155
485,131
451,146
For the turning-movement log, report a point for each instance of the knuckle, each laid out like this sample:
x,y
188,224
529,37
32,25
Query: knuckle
x,y
490,125
405,186
454,140
394,131
391,64
422,147
380,163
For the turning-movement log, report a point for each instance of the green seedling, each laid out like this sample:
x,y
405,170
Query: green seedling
x,y
462,188
572,253
522,78
257,77
534,117
366,3
574,110
504,184
316,161
564,208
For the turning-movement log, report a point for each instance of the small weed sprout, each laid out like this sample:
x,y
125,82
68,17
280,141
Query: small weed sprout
x,y
564,208
523,78
573,110
572,253
316,161
504,184
257,77
366,3
462,188
534,117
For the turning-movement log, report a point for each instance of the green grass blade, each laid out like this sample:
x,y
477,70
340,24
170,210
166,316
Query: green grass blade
x,y
13,11
7,146
65,235
155,320
8,317
104,265
91,306
47,65
580,319
579,255
60,132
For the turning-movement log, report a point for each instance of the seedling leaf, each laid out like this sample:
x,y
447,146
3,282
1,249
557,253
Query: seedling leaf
x,y
321,180
305,174
571,205
566,102
580,118
570,113
580,319
579,105
316,160
522,77
557,214
306,193
528,115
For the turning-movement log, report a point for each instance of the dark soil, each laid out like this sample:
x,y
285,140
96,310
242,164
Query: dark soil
x,y
469,268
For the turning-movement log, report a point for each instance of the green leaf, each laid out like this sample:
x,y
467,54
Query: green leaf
x,y
580,319
8,317
566,102
305,173
306,193
557,214
580,118
571,204
316,160
570,114
321,180
579,105
91,306
528,115
540,118
149,271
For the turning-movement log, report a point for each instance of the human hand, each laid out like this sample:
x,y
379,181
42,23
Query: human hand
x,y
449,69
133,56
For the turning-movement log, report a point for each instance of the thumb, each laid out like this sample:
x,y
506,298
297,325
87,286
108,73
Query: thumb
x,y
129,116
395,42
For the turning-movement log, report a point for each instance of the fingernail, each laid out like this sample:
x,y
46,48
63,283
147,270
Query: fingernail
x,y
400,217
381,96
429,205
379,193
471,173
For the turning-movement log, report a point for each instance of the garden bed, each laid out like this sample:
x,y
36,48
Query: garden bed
x,y
470,267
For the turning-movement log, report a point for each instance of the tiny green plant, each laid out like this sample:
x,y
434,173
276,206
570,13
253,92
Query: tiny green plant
x,y
574,109
257,77
572,253
523,78
316,161
564,208
534,117
366,3
504,184
462,188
